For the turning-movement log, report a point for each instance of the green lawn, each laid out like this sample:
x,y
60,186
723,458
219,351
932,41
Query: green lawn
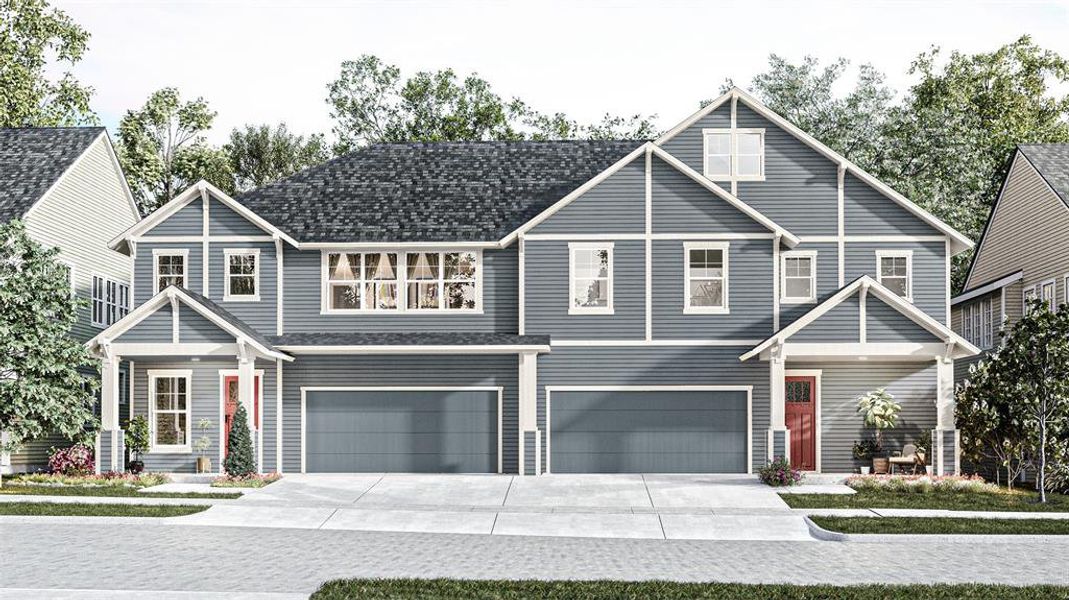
x,y
591,590
936,525
56,509
1017,501
104,490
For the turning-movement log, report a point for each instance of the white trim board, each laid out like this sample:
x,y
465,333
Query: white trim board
x,y
414,349
987,288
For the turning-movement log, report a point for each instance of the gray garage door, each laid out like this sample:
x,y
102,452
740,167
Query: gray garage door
x,y
401,431
648,432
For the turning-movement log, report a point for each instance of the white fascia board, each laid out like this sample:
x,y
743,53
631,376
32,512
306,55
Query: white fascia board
x,y
987,288
415,349
694,117
789,238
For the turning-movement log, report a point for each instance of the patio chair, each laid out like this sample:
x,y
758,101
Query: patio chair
x,y
908,456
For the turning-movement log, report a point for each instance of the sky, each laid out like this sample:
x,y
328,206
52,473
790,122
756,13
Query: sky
x,y
270,62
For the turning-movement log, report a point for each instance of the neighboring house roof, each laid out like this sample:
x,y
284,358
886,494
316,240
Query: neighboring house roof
x,y
32,159
986,288
375,342
1052,163
431,192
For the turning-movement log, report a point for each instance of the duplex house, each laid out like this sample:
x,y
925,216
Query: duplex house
x,y
702,302
65,184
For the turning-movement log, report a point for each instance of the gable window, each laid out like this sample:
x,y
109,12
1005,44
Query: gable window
x,y
706,277
242,272
894,270
170,267
734,154
110,301
1047,293
977,323
590,275
400,281
799,280
170,410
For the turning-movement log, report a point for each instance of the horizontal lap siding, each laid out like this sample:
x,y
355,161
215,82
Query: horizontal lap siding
x,y
193,328
188,220
929,271
616,205
548,295
867,211
144,280
657,366
157,328
262,314
842,323
688,145
913,385
222,220
399,371
827,281
682,205
884,323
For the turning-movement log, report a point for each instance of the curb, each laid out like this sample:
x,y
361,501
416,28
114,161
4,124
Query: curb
x,y
822,534
825,535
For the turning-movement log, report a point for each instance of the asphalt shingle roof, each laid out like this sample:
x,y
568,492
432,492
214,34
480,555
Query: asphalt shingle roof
x,y
1052,162
430,338
431,192
32,159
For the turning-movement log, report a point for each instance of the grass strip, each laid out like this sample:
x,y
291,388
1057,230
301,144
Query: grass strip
x,y
944,525
1016,501
66,509
107,491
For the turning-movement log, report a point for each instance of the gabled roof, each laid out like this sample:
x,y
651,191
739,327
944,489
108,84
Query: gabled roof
x,y
32,160
962,347
1051,161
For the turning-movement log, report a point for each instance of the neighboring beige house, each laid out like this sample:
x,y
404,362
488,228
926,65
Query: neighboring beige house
x,y
65,184
1023,251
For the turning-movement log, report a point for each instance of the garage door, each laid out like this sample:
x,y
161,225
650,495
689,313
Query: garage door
x,y
436,431
648,431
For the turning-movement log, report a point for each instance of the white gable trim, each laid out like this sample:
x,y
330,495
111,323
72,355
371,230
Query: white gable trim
x,y
959,242
990,287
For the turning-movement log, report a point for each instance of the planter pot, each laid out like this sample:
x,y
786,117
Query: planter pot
x,y
204,464
929,470
880,466
136,467
865,470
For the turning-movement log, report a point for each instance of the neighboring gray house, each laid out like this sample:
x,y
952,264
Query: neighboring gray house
x,y
702,302
65,184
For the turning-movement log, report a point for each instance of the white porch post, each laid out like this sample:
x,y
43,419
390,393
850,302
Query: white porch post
x,y
945,438
107,459
528,417
778,413
246,391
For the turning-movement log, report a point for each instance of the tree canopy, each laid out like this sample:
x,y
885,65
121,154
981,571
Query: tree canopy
x,y
261,154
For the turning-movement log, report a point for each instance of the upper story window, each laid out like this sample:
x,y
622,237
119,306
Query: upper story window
x,y
799,277
734,154
242,272
400,281
110,301
1047,293
894,269
706,277
169,267
590,277
978,323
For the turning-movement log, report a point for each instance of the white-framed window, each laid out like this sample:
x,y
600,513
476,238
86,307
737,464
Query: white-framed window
x,y
894,269
705,286
1027,294
241,268
978,323
394,282
798,277
170,410
590,278
1047,291
110,300
734,154
169,267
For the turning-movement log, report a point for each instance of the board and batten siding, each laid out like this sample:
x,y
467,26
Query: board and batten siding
x,y
86,209
455,370
615,205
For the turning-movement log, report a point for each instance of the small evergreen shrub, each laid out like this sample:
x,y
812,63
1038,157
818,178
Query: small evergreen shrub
x,y
239,460
779,473
76,460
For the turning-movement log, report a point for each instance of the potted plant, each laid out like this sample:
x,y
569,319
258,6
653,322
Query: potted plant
x,y
880,412
922,453
137,442
864,450
201,446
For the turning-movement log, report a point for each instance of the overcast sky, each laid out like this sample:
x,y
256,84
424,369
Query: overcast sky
x,y
266,61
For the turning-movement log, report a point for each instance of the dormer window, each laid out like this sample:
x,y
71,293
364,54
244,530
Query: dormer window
x,y
734,154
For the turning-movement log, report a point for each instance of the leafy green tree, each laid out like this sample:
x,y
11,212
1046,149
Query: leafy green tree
x,y
41,388
163,149
239,460
987,416
36,43
262,154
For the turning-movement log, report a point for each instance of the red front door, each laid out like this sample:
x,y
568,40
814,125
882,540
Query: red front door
x,y
230,404
801,399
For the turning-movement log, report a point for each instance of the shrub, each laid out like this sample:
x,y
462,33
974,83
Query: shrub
x,y
779,473
239,460
923,484
109,479
255,480
137,441
76,460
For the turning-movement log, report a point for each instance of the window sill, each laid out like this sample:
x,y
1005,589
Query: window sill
x,y
702,310
241,298
737,178
394,311
797,300
170,450
591,311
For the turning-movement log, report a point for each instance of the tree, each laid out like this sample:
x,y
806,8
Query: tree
x,y
36,43
163,150
239,461
987,416
259,154
880,412
42,388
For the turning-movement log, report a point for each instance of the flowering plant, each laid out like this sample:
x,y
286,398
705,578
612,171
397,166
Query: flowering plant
x,y
252,480
922,484
76,460
779,473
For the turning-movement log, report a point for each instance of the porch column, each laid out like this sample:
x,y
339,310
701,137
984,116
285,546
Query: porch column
x,y
109,455
945,441
246,394
530,450
778,446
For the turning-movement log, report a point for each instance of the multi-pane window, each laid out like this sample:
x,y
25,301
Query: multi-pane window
x,y
1027,294
706,277
441,280
242,275
749,154
591,278
110,301
978,323
170,406
894,270
1047,293
170,268
799,277
718,155
734,154
393,281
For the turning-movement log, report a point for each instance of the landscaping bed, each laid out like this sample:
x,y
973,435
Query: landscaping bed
x,y
943,525
249,481
57,509
502,590
113,485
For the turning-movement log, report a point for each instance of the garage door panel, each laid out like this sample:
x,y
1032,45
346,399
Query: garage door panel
x,y
652,419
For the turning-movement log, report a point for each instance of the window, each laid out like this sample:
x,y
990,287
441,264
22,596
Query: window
x,y
591,278
1047,293
111,301
1026,295
400,282
170,268
894,269
799,279
242,269
734,154
977,323
170,410
706,280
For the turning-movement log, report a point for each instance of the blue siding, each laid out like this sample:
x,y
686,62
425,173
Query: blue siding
x,y
840,324
827,281
929,271
866,211
616,205
222,220
682,205
188,220
885,324
195,329
155,328
143,265
688,145
262,315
